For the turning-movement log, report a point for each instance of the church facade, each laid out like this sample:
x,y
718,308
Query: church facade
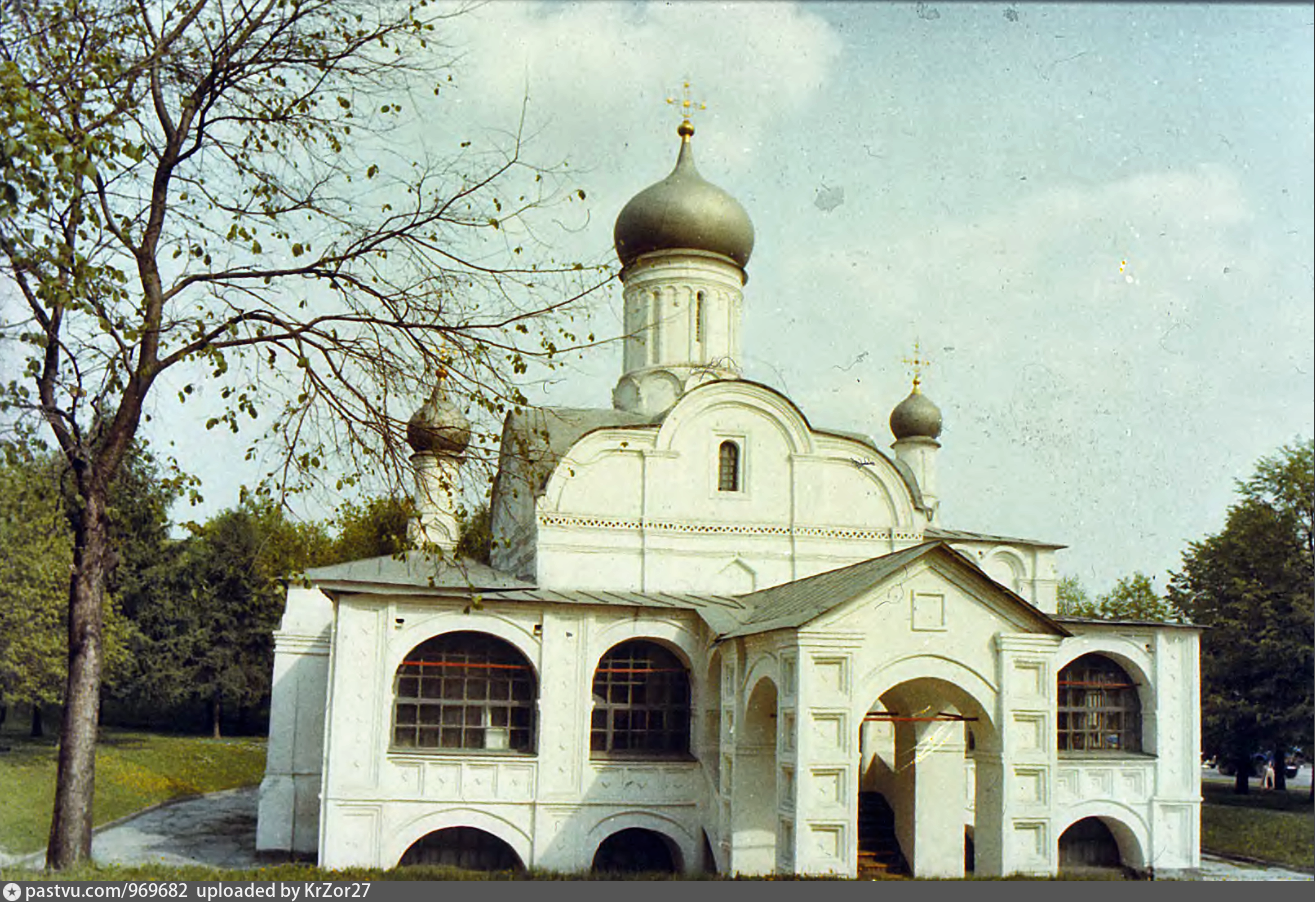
x,y
715,636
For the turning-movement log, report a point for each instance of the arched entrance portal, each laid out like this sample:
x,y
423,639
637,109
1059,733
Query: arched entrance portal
x,y
924,747
755,820
636,851
462,847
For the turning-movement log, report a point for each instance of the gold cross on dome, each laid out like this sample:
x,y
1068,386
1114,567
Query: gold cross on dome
x,y
918,362
686,103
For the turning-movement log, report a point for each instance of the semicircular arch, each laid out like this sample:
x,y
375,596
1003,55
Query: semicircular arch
x,y
764,667
707,398
958,677
1129,828
679,834
419,827
681,639
423,629
1129,654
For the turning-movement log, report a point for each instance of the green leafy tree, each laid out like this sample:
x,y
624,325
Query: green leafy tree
x,y
1073,598
475,540
1132,598
198,188
35,555
1251,585
374,528
36,552
209,630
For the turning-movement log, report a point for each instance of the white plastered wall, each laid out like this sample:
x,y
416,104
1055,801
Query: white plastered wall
x,y
925,638
553,807
289,808
1152,800
1028,570
640,509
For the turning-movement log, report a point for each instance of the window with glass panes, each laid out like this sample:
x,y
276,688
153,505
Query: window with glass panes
x,y
728,467
641,702
464,691
1099,709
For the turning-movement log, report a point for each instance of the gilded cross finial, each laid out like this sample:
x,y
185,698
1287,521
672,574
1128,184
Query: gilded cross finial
x,y
918,362
687,104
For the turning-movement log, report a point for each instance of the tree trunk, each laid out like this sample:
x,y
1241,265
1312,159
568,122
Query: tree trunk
x,y
214,716
1280,770
1242,780
70,827
37,731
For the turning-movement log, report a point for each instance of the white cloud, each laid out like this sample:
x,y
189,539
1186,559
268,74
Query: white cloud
x,y
610,64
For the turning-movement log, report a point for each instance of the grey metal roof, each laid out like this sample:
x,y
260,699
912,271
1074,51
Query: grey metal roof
x,y
413,570
963,535
793,604
1097,621
420,573
789,605
720,612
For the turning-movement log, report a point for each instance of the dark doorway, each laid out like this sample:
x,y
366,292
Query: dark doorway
x,y
462,847
635,851
1088,844
878,849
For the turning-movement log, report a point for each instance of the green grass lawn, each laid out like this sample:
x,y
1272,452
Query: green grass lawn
x,y
1269,826
133,771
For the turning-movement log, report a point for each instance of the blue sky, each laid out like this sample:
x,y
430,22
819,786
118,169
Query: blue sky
x,y
1096,219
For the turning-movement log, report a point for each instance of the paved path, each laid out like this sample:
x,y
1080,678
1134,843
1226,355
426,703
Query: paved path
x,y
1214,868
220,830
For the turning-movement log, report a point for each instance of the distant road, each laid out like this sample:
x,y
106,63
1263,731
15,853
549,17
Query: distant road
x,y
1300,781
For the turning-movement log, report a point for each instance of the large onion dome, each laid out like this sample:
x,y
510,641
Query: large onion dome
x,y
916,417
438,427
683,211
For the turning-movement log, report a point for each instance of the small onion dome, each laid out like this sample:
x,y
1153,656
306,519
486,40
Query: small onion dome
x,y
916,417
683,212
438,427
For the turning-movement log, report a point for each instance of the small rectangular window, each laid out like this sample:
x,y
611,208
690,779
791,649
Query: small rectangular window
x,y
728,467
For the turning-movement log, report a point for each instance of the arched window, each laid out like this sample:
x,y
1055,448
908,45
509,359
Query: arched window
x,y
464,690
641,702
698,317
1099,709
728,467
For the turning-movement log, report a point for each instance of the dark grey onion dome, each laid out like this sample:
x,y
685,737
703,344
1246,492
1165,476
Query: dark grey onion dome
x,y
916,417
685,212
438,427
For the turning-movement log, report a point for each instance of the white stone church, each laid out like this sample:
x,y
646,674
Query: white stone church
x,y
718,637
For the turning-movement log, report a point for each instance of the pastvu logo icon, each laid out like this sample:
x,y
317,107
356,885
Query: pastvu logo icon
x,y
12,892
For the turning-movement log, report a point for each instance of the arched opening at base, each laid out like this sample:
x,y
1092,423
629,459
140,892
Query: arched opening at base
x,y
1088,844
467,848
635,851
